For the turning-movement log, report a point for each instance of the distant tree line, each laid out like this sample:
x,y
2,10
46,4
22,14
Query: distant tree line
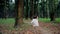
x,y
42,8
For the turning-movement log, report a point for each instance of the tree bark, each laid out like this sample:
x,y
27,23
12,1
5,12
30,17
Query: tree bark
x,y
47,9
35,7
27,9
19,14
52,10
32,8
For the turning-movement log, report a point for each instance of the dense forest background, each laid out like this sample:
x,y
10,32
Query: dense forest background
x,y
42,8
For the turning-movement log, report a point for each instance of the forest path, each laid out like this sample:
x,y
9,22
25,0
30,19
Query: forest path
x,y
42,30
47,28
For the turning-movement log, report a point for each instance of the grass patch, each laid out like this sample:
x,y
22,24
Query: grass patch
x,y
46,20
10,22
7,21
57,20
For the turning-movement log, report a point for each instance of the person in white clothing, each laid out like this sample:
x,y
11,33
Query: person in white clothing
x,y
35,24
34,21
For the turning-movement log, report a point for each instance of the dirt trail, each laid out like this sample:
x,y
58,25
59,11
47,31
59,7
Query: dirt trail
x,y
44,31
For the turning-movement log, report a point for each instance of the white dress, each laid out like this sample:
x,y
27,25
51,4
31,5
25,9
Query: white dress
x,y
35,22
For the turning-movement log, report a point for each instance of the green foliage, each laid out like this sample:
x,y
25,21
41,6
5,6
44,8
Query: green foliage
x,y
11,21
9,24
42,7
7,21
46,20
57,20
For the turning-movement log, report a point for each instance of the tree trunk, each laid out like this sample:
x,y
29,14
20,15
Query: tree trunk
x,y
47,9
43,10
52,10
32,8
35,7
19,14
26,9
5,10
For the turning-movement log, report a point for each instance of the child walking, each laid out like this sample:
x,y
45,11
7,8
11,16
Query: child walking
x,y
35,24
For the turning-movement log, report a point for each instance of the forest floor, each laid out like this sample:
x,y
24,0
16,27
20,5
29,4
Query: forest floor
x,y
44,28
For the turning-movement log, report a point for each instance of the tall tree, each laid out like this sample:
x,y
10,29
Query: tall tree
x,y
5,9
2,8
19,14
42,7
35,7
52,9
47,8
32,8
26,9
